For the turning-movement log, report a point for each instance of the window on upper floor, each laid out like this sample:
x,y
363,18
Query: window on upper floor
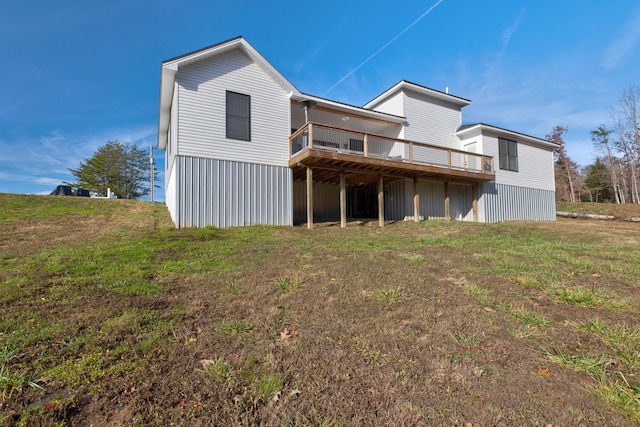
x,y
238,116
508,151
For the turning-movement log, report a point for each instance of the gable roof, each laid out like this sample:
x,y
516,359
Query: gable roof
x,y
464,129
424,90
170,67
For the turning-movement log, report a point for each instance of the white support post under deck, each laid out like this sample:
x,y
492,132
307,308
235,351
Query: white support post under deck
x,y
309,198
416,201
474,201
381,201
343,201
447,210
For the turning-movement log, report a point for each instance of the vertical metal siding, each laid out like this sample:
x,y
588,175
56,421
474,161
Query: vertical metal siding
x,y
509,202
326,202
170,191
395,200
226,193
460,202
431,199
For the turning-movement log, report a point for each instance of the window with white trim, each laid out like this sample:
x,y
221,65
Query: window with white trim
x,y
508,151
238,116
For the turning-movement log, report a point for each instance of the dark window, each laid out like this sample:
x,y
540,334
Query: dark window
x,y
238,116
508,151
356,145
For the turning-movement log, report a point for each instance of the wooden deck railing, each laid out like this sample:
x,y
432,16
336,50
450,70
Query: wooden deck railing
x,y
321,137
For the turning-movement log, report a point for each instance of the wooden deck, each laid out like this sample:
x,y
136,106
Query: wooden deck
x,y
326,154
363,158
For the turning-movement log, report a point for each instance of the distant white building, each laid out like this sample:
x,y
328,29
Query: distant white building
x,y
244,146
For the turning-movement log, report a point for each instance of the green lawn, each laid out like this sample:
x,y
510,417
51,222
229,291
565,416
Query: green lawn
x,y
110,316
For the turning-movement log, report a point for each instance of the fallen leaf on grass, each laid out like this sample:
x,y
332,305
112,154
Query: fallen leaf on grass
x,y
612,365
295,392
50,406
288,333
207,362
543,371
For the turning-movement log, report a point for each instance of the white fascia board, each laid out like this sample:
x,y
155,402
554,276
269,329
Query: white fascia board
x,y
167,82
405,85
507,133
351,109
255,56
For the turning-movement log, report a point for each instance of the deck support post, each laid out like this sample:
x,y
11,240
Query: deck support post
x,y
447,210
416,200
381,201
474,201
343,200
309,198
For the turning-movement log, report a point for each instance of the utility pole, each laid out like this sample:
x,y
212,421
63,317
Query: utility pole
x,y
151,164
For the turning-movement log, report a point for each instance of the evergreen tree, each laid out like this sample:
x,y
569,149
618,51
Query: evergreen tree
x,y
598,181
119,166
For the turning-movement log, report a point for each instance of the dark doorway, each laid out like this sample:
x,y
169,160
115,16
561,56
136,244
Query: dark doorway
x,y
362,202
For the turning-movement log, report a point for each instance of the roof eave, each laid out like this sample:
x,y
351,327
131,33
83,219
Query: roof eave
x,y
403,84
167,82
513,134
348,108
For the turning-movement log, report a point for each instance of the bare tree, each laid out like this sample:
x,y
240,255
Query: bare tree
x,y
626,119
566,169
601,141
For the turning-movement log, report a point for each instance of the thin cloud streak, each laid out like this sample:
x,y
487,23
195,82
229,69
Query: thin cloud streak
x,y
495,63
383,47
617,51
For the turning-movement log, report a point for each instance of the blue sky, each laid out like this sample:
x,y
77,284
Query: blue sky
x,y
77,74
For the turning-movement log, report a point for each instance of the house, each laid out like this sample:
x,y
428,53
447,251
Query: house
x,y
244,146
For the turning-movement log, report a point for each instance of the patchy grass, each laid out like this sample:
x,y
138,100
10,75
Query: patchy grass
x,y
113,317
389,295
234,328
288,285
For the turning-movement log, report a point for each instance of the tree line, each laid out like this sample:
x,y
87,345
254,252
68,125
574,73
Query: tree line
x,y
613,176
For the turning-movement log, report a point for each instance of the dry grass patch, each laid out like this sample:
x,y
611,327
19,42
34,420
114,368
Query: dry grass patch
x,y
436,323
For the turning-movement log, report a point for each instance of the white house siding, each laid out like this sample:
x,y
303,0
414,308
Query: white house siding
x,y
431,121
392,105
202,90
535,164
502,202
225,193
